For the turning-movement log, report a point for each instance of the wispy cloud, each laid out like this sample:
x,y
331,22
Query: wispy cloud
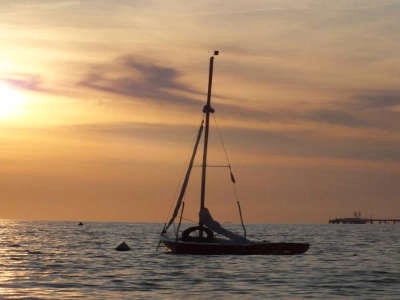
x,y
132,77
160,84
263,142
31,82
379,99
335,117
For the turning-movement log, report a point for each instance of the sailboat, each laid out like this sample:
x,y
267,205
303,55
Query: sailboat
x,y
209,236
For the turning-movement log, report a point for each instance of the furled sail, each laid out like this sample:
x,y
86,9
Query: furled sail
x,y
186,180
207,220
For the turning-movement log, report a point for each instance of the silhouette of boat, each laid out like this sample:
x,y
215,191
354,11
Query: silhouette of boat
x,y
202,239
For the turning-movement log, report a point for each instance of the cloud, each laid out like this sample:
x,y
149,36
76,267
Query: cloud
x,y
335,117
143,131
37,83
31,82
327,114
379,99
309,143
161,84
261,142
133,77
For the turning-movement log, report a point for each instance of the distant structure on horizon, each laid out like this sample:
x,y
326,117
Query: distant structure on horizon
x,y
357,219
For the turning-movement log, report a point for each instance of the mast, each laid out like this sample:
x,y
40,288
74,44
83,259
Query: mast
x,y
207,109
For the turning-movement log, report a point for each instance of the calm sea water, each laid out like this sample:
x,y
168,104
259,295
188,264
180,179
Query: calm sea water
x,y
60,260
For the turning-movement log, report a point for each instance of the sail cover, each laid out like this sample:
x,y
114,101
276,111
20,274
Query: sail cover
x,y
207,219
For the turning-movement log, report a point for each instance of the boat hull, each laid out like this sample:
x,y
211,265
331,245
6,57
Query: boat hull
x,y
254,248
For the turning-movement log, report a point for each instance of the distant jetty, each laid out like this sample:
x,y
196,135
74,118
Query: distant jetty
x,y
357,219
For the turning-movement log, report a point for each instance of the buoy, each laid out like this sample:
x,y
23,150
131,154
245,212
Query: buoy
x,y
123,247
80,224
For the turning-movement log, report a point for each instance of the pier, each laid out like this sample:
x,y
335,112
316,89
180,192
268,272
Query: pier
x,y
357,219
363,221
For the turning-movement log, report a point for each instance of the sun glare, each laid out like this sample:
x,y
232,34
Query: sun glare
x,y
11,101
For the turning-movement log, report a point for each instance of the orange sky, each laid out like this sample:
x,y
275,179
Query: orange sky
x,y
100,102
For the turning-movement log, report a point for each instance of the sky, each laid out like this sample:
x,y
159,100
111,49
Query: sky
x,y
100,102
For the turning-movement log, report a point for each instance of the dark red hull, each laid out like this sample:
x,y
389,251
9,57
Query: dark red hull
x,y
261,248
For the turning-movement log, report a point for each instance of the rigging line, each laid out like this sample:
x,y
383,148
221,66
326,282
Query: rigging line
x,y
239,209
226,152
180,220
177,189
171,204
221,140
233,180
241,219
224,149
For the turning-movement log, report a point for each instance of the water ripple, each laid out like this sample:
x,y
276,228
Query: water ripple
x,y
48,260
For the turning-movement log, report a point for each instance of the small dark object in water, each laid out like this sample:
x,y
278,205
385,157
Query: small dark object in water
x,y
123,247
80,224
33,252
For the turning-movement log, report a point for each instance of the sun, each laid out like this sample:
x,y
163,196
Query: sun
x,y
11,101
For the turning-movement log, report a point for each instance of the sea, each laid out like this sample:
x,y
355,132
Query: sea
x,y
62,260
